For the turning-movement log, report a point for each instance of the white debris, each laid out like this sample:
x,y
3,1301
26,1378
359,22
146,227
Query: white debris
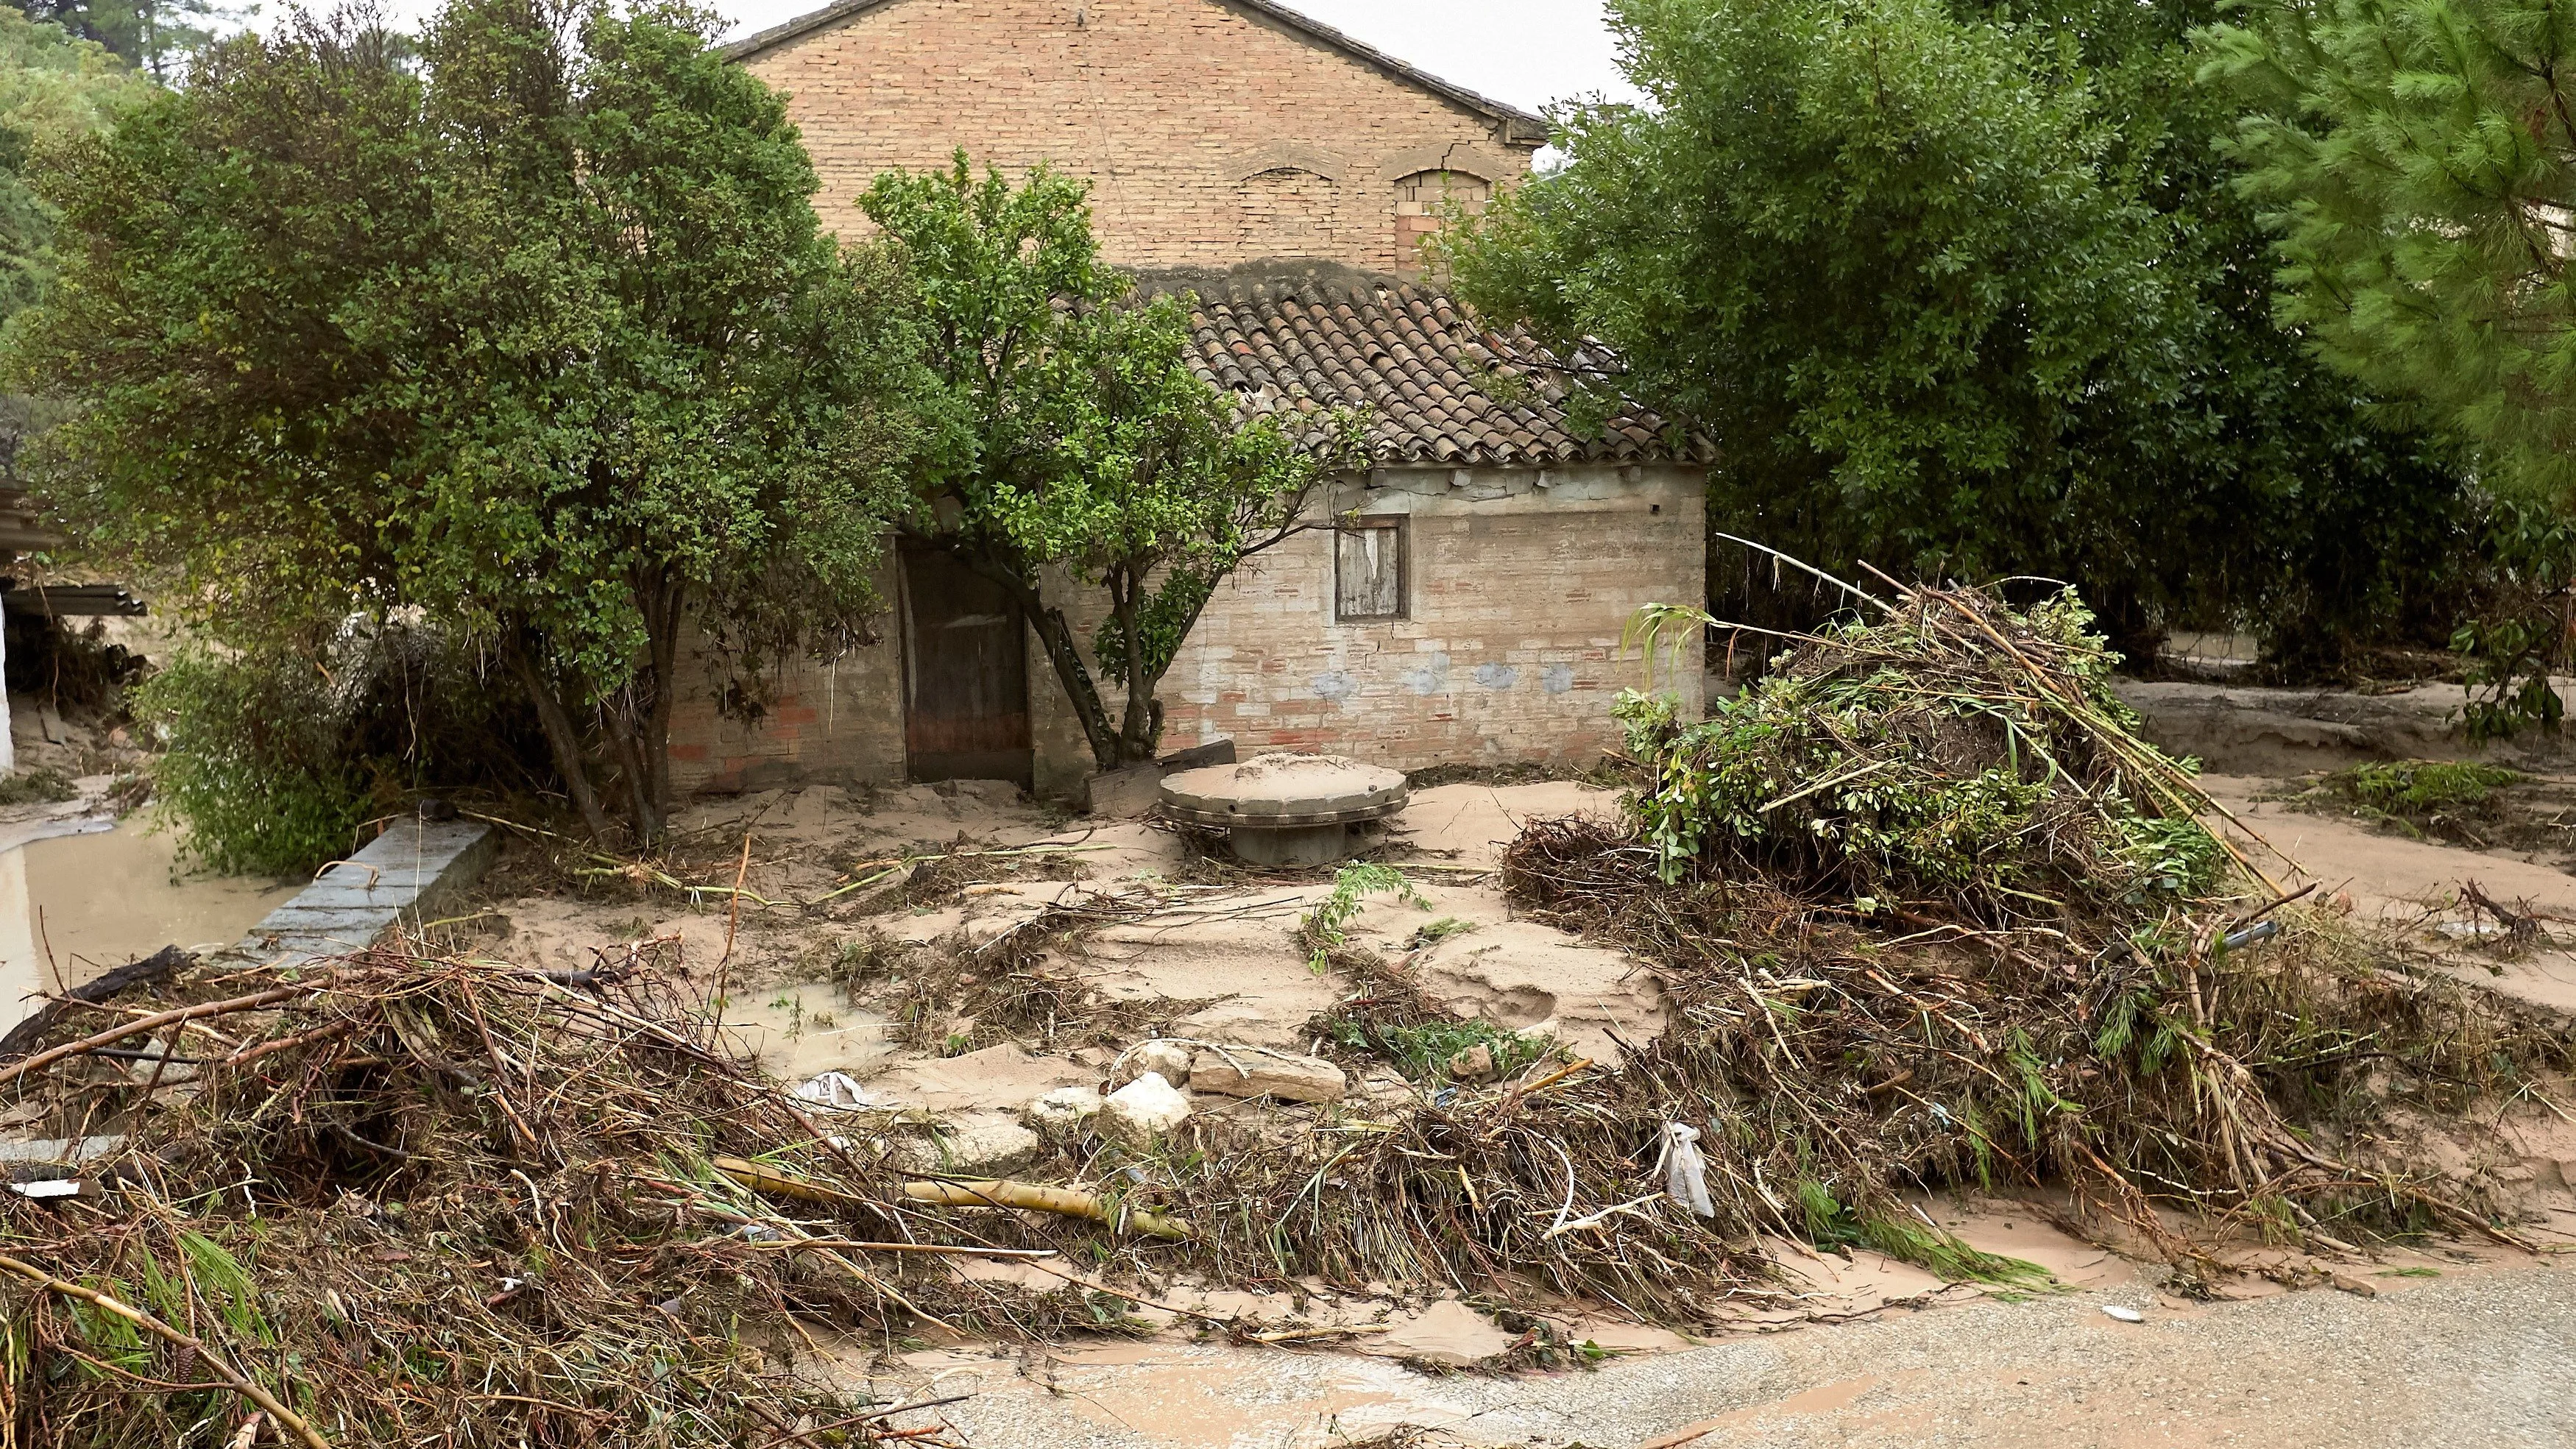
x,y
1169,1060
1685,1171
1144,1110
835,1092
1259,1072
1063,1114
2124,1313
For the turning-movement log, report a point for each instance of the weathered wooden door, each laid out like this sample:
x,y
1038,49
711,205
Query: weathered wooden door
x,y
966,705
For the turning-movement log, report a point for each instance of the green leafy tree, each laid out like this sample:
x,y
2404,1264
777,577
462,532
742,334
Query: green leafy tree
x,y
1070,433
53,88
1961,288
2419,162
541,338
157,37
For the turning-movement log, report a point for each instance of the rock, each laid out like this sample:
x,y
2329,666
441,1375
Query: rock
x,y
1143,1111
1166,1059
983,1146
57,1151
1063,1114
1475,1064
1268,1074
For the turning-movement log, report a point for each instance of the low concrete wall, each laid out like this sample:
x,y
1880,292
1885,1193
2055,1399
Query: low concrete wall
x,y
2257,731
407,874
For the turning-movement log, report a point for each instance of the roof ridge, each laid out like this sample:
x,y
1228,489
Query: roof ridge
x,y
1514,119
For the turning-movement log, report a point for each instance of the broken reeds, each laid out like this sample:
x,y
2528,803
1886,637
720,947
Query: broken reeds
x,y
440,1199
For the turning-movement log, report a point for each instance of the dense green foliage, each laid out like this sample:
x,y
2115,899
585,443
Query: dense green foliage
x,y
1949,748
2419,161
1071,433
273,758
540,337
1960,288
154,36
53,88
251,768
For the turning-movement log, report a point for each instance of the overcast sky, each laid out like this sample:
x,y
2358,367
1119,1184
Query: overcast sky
x,y
1526,52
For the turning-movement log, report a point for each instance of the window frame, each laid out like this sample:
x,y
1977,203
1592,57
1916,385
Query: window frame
x,y
1398,525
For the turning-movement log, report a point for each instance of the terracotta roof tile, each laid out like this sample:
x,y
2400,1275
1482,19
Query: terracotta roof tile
x,y
1303,337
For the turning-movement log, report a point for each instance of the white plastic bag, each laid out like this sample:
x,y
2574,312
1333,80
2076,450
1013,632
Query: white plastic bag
x,y
1685,1171
835,1092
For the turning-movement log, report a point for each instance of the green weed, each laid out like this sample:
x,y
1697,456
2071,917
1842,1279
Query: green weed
x,y
1321,929
1424,1050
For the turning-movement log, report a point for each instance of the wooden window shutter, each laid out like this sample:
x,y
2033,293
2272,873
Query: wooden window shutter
x,y
1369,569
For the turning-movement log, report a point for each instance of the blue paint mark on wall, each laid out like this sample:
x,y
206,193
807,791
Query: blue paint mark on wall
x,y
1497,676
1334,684
1431,678
1558,679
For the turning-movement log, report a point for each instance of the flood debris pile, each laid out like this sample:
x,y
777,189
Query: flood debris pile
x,y
413,1199
1930,913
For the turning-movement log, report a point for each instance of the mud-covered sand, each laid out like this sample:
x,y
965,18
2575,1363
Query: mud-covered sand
x,y
1889,1354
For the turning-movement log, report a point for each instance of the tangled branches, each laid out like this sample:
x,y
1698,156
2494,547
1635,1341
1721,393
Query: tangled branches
x,y
436,1200
1928,911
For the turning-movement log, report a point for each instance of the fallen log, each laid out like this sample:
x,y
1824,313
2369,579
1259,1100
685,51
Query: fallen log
x,y
23,1037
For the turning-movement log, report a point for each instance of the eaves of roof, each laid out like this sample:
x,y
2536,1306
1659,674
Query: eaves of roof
x,y
1519,126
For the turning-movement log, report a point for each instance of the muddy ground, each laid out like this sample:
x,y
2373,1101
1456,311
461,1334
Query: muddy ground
x,y
829,966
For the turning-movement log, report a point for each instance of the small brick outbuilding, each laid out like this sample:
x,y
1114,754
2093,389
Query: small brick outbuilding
x,y
1468,609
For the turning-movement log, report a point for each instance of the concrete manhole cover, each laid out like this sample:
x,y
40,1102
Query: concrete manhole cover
x,y
1284,809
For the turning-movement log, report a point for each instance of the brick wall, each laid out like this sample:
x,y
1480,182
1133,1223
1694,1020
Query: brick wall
x,y
1516,597
839,722
1212,134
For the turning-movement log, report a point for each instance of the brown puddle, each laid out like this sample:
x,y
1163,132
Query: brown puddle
x,y
72,906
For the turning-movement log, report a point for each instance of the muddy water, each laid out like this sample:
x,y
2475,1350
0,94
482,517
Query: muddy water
x,y
74,905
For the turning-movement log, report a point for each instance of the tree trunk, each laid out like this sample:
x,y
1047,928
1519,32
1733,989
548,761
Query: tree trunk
x,y
1136,732
561,738
663,612
620,724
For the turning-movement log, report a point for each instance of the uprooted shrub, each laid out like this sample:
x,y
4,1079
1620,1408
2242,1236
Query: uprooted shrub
x,y
273,757
1926,913
1929,911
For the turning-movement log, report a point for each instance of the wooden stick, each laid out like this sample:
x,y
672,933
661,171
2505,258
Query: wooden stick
x,y
151,968
115,1034
1550,1080
145,1321
733,918
248,1055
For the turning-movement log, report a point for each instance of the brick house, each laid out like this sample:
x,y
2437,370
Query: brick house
x,y
1284,174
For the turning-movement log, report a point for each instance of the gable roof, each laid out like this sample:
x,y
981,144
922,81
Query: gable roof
x,y
1440,388
1519,126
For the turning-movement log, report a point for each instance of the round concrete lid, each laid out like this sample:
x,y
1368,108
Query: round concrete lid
x,y
1306,787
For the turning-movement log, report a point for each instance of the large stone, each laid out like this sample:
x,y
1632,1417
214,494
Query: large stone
x,y
1169,1060
1258,1073
1143,1112
978,1146
1064,1114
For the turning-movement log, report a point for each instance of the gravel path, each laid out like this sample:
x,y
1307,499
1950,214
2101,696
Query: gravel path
x,y
2482,1360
